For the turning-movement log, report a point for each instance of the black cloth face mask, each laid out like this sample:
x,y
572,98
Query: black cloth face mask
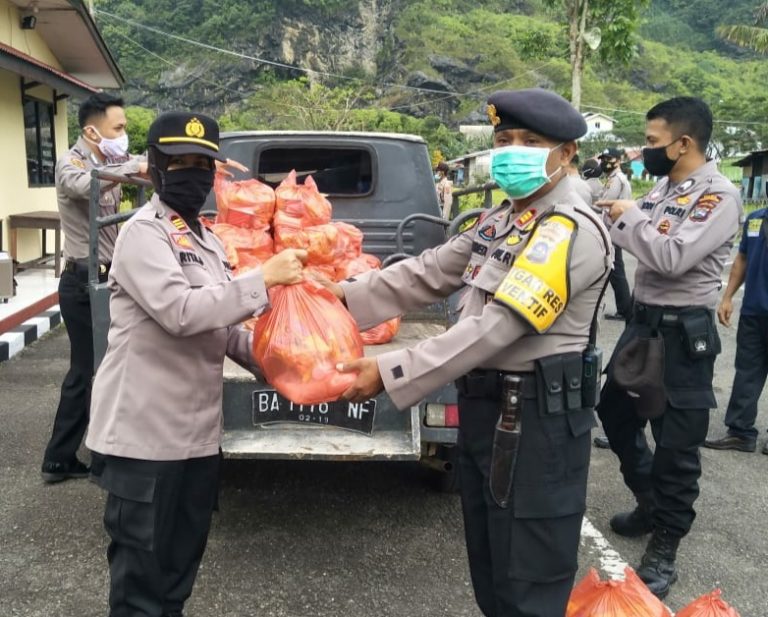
x,y
656,160
185,190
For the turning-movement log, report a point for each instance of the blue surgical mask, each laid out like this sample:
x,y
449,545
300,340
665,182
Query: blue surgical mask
x,y
520,171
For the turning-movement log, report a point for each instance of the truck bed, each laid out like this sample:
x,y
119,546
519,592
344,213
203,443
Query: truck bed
x,y
396,434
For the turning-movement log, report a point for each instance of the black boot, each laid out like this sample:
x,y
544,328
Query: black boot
x,y
639,521
657,567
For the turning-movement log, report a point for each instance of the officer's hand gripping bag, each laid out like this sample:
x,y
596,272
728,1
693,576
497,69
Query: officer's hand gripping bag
x,y
301,339
592,597
244,203
708,605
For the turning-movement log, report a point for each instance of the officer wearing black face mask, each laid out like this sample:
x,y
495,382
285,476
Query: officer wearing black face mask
x,y
681,234
156,402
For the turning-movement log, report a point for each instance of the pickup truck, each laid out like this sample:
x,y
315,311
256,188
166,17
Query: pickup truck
x,y
383,184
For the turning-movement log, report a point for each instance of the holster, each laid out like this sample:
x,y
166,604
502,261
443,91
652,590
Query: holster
x,y
506,440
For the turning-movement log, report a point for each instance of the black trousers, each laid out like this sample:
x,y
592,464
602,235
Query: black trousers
x,y
158,516
751,373
72,414
672,471
620,285
523,559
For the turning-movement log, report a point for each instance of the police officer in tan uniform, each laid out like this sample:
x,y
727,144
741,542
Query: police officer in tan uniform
x,y
532,272
156,409
617,186
103,144
681,234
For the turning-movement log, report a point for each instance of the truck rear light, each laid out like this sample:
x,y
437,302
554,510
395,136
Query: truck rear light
x,y
439,414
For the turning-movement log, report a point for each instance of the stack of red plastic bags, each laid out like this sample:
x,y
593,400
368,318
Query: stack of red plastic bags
x,y
630,597
299,341
245,212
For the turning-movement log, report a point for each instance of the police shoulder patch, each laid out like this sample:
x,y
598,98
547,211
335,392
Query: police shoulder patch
x,y
77,162
537,285
179,223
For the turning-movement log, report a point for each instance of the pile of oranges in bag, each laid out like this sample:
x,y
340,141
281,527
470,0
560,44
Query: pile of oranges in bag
x,y
299,341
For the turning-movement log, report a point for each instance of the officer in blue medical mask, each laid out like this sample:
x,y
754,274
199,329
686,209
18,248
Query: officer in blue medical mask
x,y
532,273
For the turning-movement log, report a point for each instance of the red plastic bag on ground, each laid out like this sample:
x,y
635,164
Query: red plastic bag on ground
x,y
245,248
244,203
592,597
383,333
299,341
708,605
302,201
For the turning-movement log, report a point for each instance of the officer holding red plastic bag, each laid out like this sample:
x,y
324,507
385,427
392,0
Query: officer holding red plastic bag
x,y
532,272
156,403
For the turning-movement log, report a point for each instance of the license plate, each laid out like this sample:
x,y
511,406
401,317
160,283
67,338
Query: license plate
x,y
270,407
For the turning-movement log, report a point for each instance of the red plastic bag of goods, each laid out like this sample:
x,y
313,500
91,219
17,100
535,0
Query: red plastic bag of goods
x,y
361,264
302,201
592,597
320,241
350,240
383,333
244,203
300,340
245,248
708,605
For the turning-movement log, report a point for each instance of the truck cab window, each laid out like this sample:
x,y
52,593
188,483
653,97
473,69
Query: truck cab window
x,y
337,171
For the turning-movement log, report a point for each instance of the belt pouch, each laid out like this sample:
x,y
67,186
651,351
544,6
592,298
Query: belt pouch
x,y
572,369
699,335
549,371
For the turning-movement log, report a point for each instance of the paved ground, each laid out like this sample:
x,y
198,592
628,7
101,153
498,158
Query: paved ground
x,y
336,540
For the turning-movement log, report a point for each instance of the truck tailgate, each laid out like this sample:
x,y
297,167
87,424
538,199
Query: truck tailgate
x,y
396,434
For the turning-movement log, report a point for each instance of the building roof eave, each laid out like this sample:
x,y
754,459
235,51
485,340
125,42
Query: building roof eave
x,y
34,70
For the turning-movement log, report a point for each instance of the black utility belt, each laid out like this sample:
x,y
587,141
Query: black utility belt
x,y
696,324
664,316
80,270
561,383
488,384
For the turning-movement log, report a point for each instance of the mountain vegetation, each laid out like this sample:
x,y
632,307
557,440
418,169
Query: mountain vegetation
x,y
424,66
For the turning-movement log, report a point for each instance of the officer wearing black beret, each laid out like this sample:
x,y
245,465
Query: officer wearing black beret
x,y
532,272
537,110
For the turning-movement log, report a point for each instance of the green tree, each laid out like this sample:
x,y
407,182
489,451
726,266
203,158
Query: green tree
x,y
139,119
607,25
753,37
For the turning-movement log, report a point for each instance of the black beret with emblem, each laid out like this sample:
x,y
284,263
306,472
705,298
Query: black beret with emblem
x,y
181,132
537,110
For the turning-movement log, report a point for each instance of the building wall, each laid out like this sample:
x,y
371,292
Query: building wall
x,y
26,41
16,195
